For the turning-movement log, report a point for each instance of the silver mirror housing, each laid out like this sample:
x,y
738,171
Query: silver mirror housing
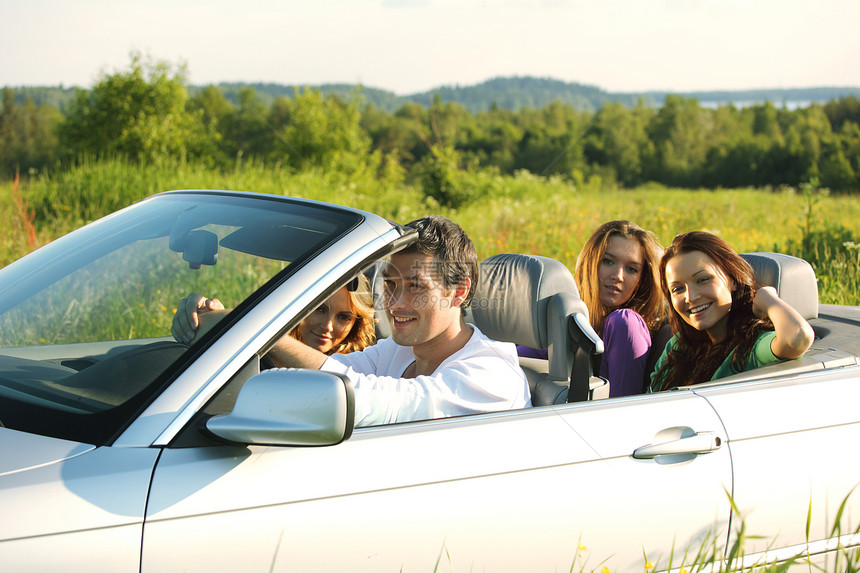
x,y
289,407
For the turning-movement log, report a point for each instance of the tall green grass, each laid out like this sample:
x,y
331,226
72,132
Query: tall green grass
x,y
712,555
521,213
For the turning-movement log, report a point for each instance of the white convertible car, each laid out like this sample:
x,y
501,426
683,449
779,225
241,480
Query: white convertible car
x,y
122,450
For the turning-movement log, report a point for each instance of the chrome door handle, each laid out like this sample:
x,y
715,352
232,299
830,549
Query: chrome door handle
x,y
698,443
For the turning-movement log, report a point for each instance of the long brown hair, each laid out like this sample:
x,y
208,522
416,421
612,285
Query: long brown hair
x,y
646,299
363,331
695,358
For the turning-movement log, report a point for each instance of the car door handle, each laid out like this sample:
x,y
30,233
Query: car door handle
x,y
696,443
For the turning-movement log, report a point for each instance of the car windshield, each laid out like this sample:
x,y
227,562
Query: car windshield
x,y
85,321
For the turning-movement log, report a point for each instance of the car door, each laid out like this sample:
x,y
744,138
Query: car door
x,y
535,489
792,439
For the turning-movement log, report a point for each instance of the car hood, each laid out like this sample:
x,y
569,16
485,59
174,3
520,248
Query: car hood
x,y
20,451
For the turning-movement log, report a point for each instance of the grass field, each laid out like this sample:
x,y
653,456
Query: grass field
x,y
524,213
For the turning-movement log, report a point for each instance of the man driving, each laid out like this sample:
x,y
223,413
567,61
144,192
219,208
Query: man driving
x,y
434,364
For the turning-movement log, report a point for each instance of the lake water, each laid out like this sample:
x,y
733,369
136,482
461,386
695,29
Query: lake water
x,y
790,105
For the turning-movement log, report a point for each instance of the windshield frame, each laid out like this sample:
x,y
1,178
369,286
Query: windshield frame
x,y
24,276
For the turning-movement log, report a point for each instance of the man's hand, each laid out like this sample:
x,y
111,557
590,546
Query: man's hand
x,y
186,321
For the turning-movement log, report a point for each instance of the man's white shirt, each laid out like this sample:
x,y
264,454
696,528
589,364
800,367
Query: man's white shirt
x,y
483,376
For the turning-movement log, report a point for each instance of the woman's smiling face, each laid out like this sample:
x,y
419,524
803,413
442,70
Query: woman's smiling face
x,y
327,326
701,293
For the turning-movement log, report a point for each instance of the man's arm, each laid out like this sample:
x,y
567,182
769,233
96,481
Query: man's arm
x,y
290,353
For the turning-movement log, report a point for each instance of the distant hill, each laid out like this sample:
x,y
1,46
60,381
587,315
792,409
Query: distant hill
x,y
514,93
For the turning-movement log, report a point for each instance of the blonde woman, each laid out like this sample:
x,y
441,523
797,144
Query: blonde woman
x,y
342,324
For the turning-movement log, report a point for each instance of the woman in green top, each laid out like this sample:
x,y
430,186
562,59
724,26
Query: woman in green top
x,y
723,323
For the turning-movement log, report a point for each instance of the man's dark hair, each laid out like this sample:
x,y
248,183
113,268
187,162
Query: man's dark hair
x,y
451,248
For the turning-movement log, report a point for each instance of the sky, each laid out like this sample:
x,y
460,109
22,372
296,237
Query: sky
x,y
411,46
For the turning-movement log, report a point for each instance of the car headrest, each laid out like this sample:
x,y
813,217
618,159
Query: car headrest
x,y
510,303
793,279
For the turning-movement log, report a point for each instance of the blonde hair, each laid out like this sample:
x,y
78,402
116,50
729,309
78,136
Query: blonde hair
x,y
646,299
363,331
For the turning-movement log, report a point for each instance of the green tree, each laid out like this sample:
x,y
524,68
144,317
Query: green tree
x,y
28,139
407,135
245,131
617,139
440,175
323,132
843,110
495,138
840,158
389,134
139,114
552,142
849,137
806,130
212,109
212,104
765,121
680,133
442,126
836,170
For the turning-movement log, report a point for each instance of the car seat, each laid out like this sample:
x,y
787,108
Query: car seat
x,y
793,278
533,301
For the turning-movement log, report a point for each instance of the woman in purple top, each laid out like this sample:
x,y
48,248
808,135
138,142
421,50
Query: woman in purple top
x,y
618,280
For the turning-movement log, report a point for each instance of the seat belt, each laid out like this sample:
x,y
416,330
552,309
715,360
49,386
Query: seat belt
x,y
582,369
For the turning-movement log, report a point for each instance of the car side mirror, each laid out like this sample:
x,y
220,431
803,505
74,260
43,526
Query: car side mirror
x,y
289,407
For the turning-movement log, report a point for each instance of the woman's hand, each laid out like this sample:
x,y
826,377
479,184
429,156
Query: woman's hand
x,y
763,299
794,336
